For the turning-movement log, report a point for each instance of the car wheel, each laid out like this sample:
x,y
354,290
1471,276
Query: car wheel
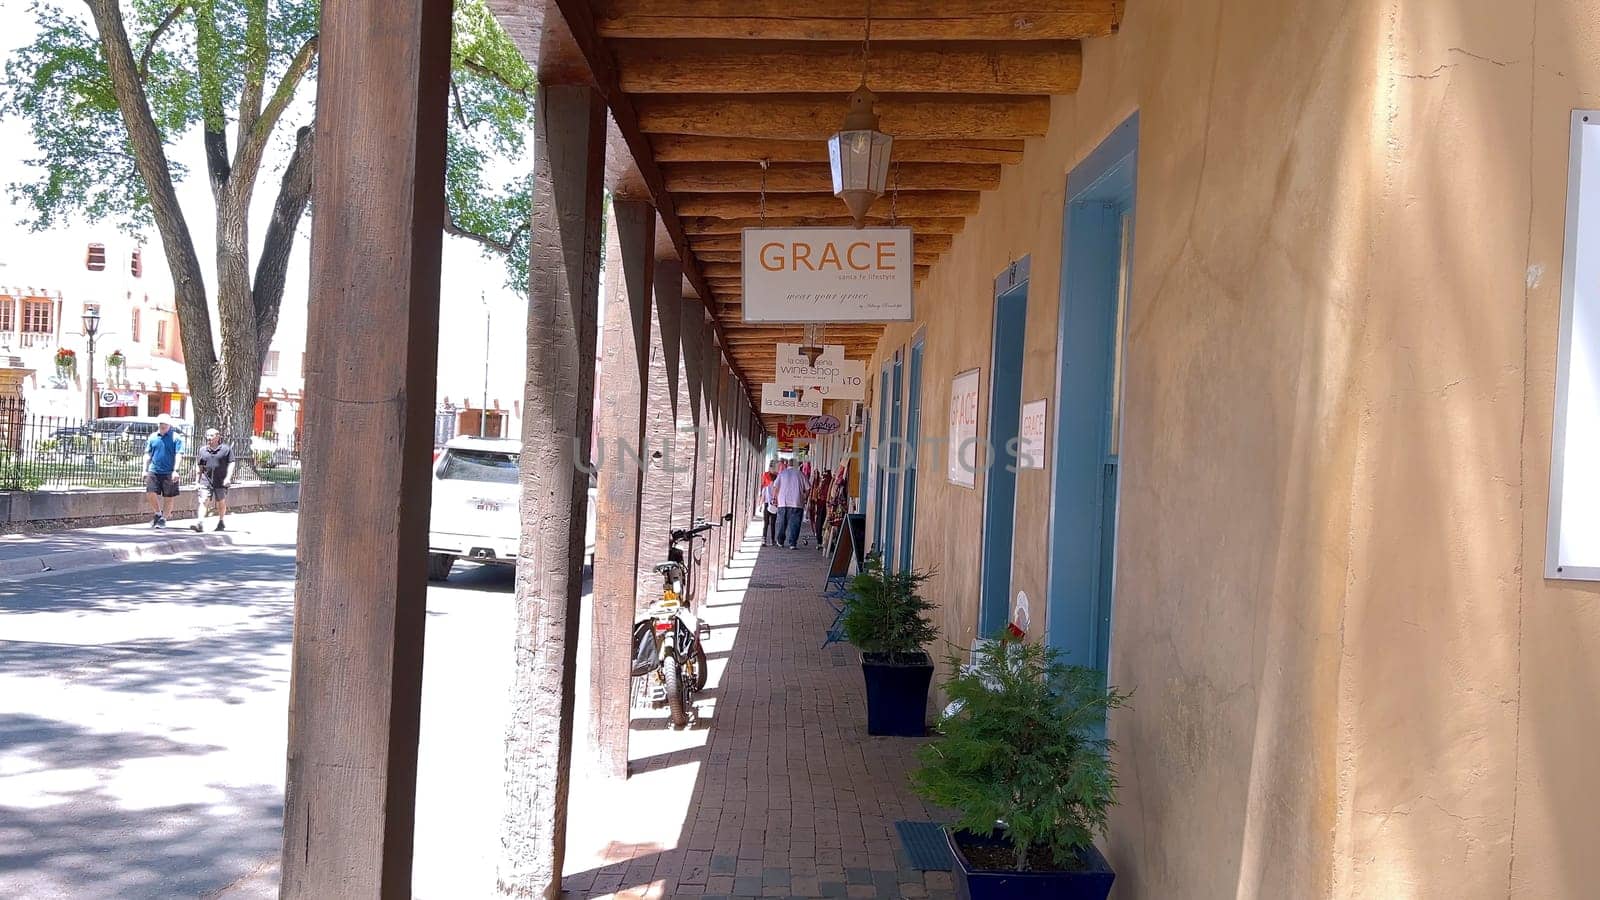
x,y
439,566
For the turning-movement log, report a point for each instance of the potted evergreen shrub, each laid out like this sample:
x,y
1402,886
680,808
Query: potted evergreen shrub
x,y
886,618
1022,761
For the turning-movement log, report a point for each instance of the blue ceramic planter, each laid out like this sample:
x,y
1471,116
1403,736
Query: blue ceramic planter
x,y
1093,882
897,696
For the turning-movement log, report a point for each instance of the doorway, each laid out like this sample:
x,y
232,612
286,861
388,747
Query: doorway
x,y
908,503
1005,417
1096,276
892,444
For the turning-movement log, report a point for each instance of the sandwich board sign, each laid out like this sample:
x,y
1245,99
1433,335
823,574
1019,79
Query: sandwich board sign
x,y
827,274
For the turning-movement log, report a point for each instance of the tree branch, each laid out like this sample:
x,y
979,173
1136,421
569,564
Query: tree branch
x,y
478,68
155,36
151,159
503,247
208,48
273,267
255,73
461,116
254,145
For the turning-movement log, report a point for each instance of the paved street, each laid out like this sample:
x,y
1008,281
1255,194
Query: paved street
x,y
143,714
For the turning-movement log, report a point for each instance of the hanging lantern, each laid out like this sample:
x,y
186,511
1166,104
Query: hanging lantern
x,y
859,156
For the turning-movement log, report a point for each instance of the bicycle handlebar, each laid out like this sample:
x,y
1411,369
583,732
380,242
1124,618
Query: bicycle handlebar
x,y
679,535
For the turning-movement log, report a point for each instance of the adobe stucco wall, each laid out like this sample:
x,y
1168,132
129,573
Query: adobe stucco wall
x,y
1352,681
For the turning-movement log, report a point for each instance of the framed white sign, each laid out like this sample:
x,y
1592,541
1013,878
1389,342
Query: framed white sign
x,y
780,400
1031,434
1572,539
834,376
827,274
962,466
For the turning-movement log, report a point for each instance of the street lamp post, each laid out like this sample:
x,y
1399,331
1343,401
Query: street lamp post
x,y
483,414
91,327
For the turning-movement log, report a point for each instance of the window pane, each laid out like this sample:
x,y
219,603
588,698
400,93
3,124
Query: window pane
x,y
1124,273
479,465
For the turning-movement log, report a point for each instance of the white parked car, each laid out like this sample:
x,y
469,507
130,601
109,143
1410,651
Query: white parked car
x,y
475,494
474,504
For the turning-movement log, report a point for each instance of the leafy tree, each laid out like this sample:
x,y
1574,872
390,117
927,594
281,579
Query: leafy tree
x,y
108,98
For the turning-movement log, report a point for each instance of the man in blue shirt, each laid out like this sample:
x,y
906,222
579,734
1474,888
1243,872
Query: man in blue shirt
x,y
160,486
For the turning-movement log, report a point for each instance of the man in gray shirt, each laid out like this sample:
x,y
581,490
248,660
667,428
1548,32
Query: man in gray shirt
x,y
214,473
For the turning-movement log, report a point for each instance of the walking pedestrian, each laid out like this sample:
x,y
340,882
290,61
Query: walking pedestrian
x,y
214,475
819,504
161,458
791,489
767,505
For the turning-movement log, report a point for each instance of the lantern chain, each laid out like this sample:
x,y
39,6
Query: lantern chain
x,y
764,164
866,43
894,196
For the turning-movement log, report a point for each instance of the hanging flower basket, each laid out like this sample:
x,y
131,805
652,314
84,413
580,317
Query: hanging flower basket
x,y
66,362
116,359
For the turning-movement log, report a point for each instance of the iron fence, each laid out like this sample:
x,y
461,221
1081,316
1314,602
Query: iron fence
x,y
56,453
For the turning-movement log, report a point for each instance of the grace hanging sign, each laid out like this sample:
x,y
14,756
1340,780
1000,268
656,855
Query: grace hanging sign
x,y
827,274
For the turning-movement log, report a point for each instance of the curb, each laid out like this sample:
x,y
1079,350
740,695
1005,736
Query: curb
x,y
26,567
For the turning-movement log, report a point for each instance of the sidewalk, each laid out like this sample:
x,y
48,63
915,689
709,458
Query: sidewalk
x,y
777,791
28,554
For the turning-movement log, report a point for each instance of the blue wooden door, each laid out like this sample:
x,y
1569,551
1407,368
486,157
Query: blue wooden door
x,y
1096,265
908,503
879,476
896,457
1000,475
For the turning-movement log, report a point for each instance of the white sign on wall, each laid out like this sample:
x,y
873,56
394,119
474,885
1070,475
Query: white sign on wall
x,y
963,462
1572,541
836,377
827,274
1031,434
780,400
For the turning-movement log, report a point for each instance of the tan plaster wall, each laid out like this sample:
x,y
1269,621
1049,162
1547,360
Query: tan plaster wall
x,y
1351,679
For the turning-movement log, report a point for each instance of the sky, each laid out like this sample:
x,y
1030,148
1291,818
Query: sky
x,y
473,288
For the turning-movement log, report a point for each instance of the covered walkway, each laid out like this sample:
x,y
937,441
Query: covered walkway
x,y
777,791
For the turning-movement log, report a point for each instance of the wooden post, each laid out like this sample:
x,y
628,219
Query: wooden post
x,y
684,447
666,459
558,407
360,593
624,395
710,386
719,477
730,455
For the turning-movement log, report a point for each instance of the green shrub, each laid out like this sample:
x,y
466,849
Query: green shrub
x,y
885,612
1022,751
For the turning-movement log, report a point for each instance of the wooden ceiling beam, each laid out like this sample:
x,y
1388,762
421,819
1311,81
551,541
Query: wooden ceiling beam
x,y
843,20
932,243
699,148
917,204
575,19
814,117
768,67
812,177
707,225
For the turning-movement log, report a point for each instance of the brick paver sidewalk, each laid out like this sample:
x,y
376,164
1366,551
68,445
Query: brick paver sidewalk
x,y
777,791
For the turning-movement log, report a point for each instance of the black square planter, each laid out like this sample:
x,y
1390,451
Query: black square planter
x,y
897,696
1093,882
